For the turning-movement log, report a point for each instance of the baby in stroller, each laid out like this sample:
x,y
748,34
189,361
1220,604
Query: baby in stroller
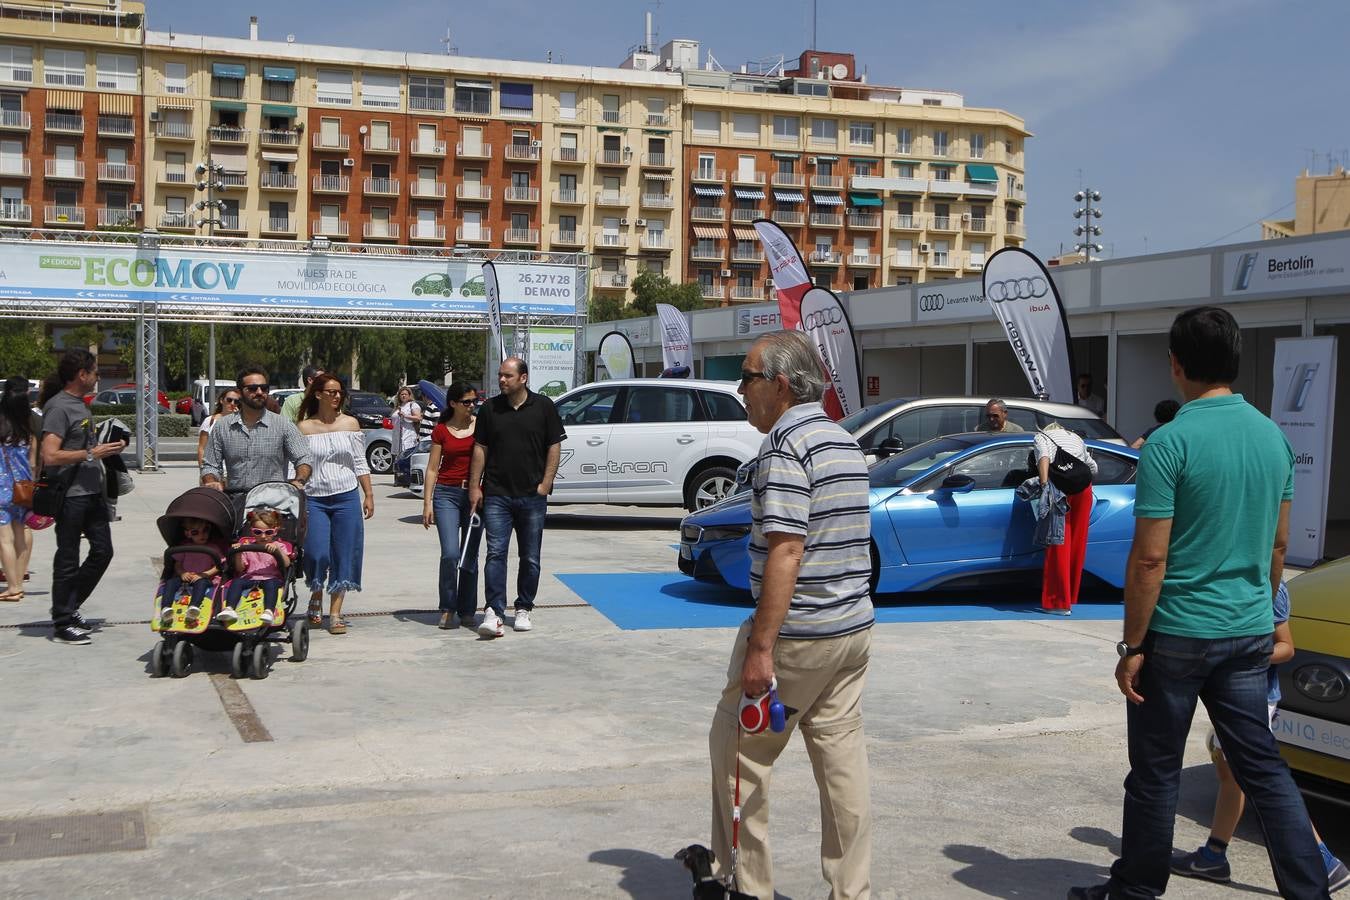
x,y
262,569
199,570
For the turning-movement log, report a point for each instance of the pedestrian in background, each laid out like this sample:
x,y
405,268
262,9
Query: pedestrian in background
x,y
1212,510
1086,398
811,629
68,450
407,416
447,506
291,408
1164,412
1062,574
18,460
226,403
996,419
336,538
517,447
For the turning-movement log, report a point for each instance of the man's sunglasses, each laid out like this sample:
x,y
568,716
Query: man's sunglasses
x,y
748,376
263,532
264,387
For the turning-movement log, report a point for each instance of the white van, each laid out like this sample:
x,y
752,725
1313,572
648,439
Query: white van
x,y
201,390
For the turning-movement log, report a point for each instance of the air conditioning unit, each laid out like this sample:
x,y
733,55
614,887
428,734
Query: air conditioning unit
x,y
965,217
623,222
536,144
924,247
136,209
726,273
812,160
349,162
640,223
154,115
768,283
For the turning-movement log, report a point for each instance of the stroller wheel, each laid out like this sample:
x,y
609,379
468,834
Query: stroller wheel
x,y
159,660
181,663
299,639
239,661
261,661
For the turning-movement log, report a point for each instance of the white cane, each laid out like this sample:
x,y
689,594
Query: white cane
x,y
475,524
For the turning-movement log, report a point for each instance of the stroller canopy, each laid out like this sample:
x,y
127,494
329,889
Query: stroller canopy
x,y
282,496
204,503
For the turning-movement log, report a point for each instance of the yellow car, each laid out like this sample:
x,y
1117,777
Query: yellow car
x,y
1313,726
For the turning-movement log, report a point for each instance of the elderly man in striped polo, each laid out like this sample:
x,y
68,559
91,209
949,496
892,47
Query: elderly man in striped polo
x,y
811,628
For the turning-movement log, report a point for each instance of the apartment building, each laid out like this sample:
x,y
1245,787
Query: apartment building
x,y
1321,204
659,164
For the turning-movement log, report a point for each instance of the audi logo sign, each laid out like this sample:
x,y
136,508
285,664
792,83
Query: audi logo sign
x,y
822,318
1017,289
931,302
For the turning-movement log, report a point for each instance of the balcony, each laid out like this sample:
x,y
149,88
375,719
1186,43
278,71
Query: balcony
x,y
515,194
824,257
707,254
473,234
746,292
787,217
708,214
379,231
473,105
864,220
65,169
277,225
380,187
866,260
614,158
426,231
569,198
63,215
119,172
515,152
232,223
944,259
116,126
173,131
1017,194
906,259
746,215
331,184
279,137
740,254
64,123
16,213
114,216
426,147
15,120
980,226
228,134
789,179
661,120
658,161
234,180
568,238
708,173
657,241
328,227
15,167
945,223
473,151
828,182
427,190
340,142
381,144
613,117
712,291
176,221
569,155
658,201
906,222
279,181
826,220
521,236
611,198
751,178
1015,230
611,280
467,190
610,240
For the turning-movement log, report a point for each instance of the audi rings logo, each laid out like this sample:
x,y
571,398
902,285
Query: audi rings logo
x,y
1321,683
1017,289
822,319
931,302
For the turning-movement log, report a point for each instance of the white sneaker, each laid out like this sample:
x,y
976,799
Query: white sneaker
x,y
491,626
522,621
193,616
166,616
267,617
227,616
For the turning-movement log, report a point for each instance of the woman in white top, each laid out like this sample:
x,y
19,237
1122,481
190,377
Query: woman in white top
x,y
1063,572
335,539
226,403
406,419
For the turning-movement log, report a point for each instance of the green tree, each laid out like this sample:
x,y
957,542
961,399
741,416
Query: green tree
x,y
605,309
434,353
25,349
650,289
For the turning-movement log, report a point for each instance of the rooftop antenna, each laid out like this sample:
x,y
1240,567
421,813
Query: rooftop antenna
x,y
450,49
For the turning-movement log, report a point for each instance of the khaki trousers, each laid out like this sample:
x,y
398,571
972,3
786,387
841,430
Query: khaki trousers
x,y
823,680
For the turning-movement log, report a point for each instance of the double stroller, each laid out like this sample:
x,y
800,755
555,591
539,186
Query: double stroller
x,y
189,620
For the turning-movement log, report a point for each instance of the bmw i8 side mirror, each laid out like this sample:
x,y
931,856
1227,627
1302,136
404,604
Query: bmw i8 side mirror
x,y
889,447
957,484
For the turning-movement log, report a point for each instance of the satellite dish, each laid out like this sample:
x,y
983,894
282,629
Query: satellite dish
x,y
839,71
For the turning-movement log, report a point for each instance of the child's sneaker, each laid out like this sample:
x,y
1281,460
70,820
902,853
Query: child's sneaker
x,y
166,616
267,617
193,614
227,615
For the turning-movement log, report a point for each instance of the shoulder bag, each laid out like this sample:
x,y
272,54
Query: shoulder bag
x,y
1067,472
23,487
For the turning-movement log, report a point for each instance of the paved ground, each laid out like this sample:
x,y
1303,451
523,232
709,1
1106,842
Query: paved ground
x,y
405,761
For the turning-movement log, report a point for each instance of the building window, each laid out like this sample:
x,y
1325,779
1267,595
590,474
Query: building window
x,y
227,80
903,140
787,128
609,108
334,87
745,126
861,167
63,67
175,78
931,101
520,180
278,91
706,165
516,99
977,146
940,143
474,97
175,167
16,64
942,173
787,166
176,206
425,92
863,133
707,123
567,104
825,130
520,221
115,72
379,90
905,170
567,225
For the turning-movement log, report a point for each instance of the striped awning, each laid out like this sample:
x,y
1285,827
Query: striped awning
x,y
826,200
709,233
748,193
174,103
745,234
658,176
117,104
789,197
65,100
709,190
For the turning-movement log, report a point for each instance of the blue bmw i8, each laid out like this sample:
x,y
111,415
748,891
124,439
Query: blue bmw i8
x,y
944,515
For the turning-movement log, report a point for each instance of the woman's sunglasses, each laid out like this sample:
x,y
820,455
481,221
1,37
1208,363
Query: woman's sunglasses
x,y
234,400
469,401
263,532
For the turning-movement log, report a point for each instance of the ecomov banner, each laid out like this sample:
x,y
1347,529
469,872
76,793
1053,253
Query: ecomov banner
x,y
1023,298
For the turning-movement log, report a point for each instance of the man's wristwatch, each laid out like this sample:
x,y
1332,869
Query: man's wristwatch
x,y
1123,649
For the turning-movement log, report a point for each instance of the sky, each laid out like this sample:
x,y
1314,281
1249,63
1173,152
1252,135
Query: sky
x,y
1191,117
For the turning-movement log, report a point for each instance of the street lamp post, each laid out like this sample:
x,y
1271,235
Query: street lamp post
x,y
208,174
1087,231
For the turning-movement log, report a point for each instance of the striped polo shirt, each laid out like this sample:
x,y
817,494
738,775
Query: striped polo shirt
x,y
811,481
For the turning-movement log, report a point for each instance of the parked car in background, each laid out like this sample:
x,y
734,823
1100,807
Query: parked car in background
x,y
123,395
944,515
375,415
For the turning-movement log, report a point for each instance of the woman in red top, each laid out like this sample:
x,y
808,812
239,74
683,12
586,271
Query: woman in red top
x,y
447,506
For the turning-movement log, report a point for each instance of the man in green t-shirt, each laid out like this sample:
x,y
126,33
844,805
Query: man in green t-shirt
x,y
1212,509
291,407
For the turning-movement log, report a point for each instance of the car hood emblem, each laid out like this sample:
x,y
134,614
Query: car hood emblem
x,y
1321,683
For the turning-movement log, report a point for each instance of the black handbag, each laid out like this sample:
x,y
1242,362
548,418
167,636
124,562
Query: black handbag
x,y
1069,473
49,492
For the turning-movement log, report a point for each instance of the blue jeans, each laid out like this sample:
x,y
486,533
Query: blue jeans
x,y
1229,675
335,543
524,515
458,587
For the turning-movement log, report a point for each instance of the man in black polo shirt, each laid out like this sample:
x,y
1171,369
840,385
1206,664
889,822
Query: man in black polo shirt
x,y
515,456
